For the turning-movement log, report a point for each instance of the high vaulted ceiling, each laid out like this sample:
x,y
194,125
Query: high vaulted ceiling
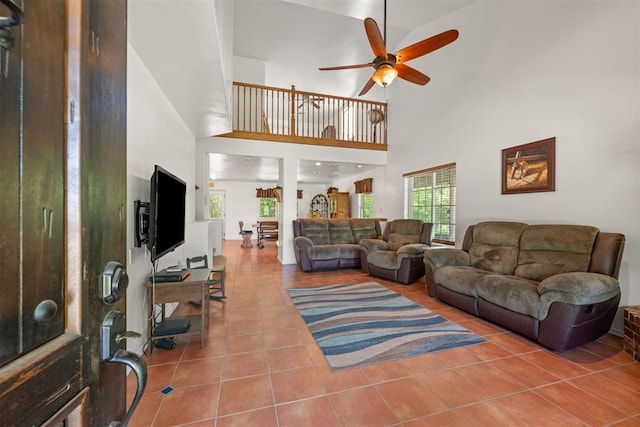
x,y
182,43
296,37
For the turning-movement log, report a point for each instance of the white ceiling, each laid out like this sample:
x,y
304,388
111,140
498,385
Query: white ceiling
x,y
179,42
296,37
250,168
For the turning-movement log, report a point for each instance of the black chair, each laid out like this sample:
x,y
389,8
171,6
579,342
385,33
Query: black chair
x,y
216,275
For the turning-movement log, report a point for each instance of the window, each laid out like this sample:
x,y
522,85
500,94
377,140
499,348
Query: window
x,y
365,205
267,207
430,195
216,204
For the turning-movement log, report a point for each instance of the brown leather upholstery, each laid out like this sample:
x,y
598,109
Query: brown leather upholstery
x,y
574,306
606,255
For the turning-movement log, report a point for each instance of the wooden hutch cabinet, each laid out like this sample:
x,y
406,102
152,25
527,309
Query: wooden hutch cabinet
x,y
339,205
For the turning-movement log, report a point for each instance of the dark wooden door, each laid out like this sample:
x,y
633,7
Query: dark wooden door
x,y
62,208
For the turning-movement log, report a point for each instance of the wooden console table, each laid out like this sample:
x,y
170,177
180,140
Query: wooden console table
x,y
266,230
194,287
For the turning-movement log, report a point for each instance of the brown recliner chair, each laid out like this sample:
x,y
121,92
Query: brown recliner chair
x,y
399,255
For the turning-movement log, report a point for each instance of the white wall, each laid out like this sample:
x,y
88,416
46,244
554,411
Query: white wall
x,y
241,203
521,72
379,193
155,135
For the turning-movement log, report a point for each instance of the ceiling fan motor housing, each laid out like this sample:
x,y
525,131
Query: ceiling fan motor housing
x,y
380,60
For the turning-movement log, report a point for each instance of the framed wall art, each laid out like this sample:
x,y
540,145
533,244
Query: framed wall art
x,y
529,168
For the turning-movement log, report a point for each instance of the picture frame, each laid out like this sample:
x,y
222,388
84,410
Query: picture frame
x,y
529,168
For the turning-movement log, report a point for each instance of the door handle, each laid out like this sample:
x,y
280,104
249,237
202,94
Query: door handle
x,y
139,367
113,334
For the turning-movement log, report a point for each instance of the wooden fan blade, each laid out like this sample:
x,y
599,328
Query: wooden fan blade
x,y
346,67
375,38
426,46
412,75
366,87
315,105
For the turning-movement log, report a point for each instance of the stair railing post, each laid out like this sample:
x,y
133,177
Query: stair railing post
x,y
293,110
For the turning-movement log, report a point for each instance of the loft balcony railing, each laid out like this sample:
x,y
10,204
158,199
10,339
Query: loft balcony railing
x,y
289,115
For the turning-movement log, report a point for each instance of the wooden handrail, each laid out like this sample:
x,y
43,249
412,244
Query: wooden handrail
x,y
291,115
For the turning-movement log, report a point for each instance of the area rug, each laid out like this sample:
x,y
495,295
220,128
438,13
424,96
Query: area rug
x,y
365,323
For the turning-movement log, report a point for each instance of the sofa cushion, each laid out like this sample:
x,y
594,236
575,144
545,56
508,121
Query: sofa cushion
x,y
405,226
460,279
348,251
340,231
549,249
495,246
319,252
510,292
396,241
363,228
317,230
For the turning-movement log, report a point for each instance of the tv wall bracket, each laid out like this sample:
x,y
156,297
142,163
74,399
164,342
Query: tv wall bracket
x,y
141,211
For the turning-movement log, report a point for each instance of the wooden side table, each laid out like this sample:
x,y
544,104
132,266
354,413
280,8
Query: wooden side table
x,y
193,288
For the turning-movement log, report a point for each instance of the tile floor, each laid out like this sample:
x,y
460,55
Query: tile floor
x,y
261,367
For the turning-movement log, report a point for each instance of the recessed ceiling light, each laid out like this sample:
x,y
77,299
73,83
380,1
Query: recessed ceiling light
x,y
318,163
247,159
359,166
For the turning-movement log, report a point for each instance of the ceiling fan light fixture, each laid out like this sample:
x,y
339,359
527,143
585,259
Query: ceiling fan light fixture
x,y
384,74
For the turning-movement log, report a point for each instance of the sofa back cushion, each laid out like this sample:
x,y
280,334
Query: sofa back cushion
x,y
364,228
400,232
340,231
549,249
495,246
317,230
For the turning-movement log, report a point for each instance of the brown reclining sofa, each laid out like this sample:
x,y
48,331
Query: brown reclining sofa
x,y
331,243
555,284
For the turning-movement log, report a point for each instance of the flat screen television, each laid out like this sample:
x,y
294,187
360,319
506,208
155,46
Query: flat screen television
x,y
166,212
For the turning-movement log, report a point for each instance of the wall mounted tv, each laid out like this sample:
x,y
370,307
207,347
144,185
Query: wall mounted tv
x,y
166,213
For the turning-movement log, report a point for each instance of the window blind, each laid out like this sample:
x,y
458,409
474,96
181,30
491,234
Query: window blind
x,y
430,195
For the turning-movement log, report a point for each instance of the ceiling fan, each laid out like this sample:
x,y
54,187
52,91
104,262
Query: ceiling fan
x,y
313,100
389,66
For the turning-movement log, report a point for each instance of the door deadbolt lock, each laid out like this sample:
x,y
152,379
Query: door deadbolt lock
x,y
113,282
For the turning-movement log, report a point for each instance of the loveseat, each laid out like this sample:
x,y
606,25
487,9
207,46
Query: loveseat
x,y
329,244
555,284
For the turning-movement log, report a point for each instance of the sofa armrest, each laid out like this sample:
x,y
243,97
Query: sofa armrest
x,y
443,257
372,245
576,288
303,243
412,250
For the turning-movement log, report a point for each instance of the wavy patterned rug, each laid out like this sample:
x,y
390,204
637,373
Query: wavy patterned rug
x,y
365,323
